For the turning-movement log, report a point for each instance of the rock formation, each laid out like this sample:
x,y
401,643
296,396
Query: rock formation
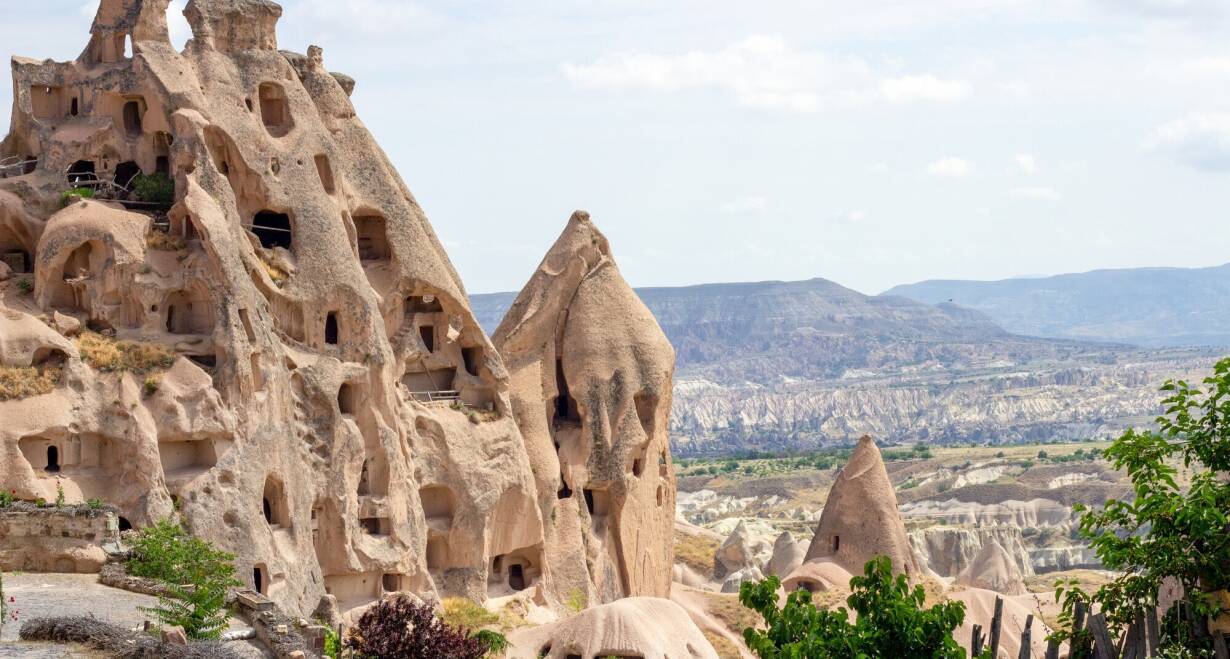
x,y
741,550
860,519
949,550
788,555
590,377
645,627
280,348
993,569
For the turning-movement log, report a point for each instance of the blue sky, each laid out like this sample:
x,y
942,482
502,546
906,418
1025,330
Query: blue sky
x,y
871,142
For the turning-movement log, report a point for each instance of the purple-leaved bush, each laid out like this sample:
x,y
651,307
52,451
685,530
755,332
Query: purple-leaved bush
x,y
400,629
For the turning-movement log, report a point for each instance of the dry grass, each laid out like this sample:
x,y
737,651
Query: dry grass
x,y
696,552
277,274
1045,583
107,354
164,242
724,647
23,382
727,609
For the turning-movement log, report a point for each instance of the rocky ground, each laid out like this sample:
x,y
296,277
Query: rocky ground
x,y
41,595
955,502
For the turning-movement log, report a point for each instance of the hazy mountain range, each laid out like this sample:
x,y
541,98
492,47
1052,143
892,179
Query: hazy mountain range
x,y
1144,306
784,365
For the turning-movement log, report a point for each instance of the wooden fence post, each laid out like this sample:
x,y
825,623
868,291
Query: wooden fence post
x,y
1052,649
1151,632
1219,646
1076,650
1027,640
1103,647
975,643
995,625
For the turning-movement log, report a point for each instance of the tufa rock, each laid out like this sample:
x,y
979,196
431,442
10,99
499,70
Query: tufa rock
x,y
647,627
788,555
860,519
740,550
590,379
993,569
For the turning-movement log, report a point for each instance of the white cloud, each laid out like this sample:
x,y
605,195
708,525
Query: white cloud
x,y
763,72
383,17
745,206
1015,88
1027,163
1036,194
177,24
1198,140
879,168
950,167
856,216
923,88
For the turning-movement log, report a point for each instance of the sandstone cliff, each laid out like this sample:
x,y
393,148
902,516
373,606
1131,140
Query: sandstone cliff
x,y
282,351
591,375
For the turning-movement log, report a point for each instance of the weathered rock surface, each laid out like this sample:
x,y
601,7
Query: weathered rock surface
x,y
949,550
590,375
860,519
646,627
741,550
993,569
788,555
332,412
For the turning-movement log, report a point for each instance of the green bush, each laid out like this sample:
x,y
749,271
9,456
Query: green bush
x,y
7,499
496,642
196,574
1167,529
891,621
94,504
155,188
84,193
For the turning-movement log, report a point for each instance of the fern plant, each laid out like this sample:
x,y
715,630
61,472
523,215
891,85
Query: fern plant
x,y
197,577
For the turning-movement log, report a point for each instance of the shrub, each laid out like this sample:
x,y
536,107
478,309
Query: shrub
x,y
400,629
94,504
577,600
40,502
25,381
196,574
1042,455
67,195
1168,529
151,385
59,494
156,188
7,499
25,285
496,642
891,621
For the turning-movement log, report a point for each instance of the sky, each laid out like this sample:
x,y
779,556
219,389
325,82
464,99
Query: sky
x,y
870,142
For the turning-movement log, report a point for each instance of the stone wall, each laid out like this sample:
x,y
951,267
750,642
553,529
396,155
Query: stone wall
x,y
67,539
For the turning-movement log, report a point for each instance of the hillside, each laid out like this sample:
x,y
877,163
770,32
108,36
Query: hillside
x,y
1143,306
788,365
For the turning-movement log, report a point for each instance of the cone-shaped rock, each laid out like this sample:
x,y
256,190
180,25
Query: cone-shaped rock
x,y
590,373
860,519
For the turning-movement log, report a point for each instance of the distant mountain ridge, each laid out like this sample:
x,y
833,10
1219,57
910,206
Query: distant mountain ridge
x,y
787,365
1141,306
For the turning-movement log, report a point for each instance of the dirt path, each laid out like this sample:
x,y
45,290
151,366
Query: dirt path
x,y
40,595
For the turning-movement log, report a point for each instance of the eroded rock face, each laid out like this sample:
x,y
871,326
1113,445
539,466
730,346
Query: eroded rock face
x,y
949,550
860,519
993,569
590,377
334,415
646,627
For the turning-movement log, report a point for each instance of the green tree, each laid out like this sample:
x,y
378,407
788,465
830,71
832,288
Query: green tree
x,y
1169,529
196,576
891,621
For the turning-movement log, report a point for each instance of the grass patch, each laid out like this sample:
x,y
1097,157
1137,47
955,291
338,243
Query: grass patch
x,y
164,242
109,355
461,613
25,381
723,646
732,614
696,552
